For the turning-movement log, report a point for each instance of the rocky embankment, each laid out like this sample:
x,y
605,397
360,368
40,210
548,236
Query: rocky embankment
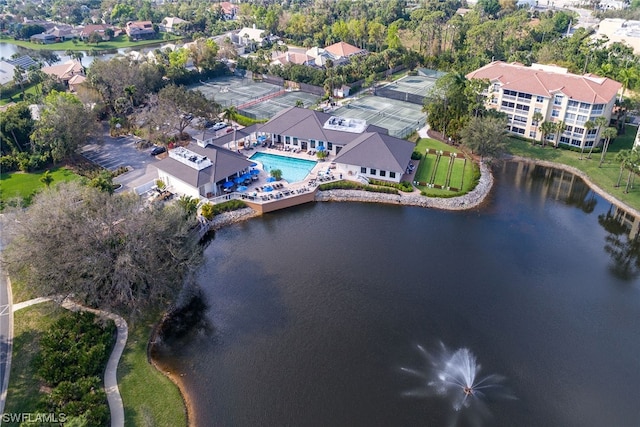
x,y
467,201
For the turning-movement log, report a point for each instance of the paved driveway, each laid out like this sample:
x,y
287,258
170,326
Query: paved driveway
x,y
112,153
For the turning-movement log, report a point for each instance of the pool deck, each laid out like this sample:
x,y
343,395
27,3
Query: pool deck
x,y
286,194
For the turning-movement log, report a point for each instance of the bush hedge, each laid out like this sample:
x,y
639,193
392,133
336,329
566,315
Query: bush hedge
x,y
73,354
405,186
231,205
350,185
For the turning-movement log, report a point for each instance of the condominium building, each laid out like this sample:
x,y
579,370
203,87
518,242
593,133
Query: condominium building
x,y
521,92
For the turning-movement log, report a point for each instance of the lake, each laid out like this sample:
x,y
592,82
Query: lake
x,y
336,314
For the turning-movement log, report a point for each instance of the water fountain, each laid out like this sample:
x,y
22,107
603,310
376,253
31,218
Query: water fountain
x,y
454,375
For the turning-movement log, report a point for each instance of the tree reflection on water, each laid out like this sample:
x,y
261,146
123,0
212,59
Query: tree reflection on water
x,y
622,242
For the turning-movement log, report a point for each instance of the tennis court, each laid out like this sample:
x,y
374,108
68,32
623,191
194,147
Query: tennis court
x,y
398,117
409,88
233,90
270,107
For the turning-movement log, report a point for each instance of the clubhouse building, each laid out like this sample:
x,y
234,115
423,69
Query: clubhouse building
x,y
354,151
520,92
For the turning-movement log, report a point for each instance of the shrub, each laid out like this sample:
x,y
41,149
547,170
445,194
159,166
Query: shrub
x,y
207,211
416,155
231,205
8,163
405,186
350,185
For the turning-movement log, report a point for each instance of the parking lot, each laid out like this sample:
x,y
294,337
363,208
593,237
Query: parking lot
x,y
113,153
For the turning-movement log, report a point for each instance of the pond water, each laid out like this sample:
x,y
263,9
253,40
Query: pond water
x,y
337,314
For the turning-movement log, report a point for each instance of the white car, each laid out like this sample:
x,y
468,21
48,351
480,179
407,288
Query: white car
x,y
218,126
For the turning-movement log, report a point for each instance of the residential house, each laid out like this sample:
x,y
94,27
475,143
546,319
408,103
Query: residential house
x,y
228,10
64,72
320,57
251,37
172,24
140,30
63,33
520,92
43,38
25,62
87,30
201,171
75,81
293,58
344,50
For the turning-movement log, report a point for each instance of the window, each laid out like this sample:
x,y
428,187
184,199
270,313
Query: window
x,y
295,141
573,104
508,104
312,144
532,134
578,130
363,170
564,140
592,132
576,142
329,146
537,110
372,171
383,173
517,130
597,109
555,113
287,139
570,117
581,118
510,92
557,100
392,174
496,86
524,95
568,128
539,98
584,106
522,107
519,119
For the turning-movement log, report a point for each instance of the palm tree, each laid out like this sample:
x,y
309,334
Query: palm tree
x,y
537,118
46,178
600,121
607,134
130,91
588,126
299,103
632,165
623,156
558,129
546,128
18,78
229,113
627,77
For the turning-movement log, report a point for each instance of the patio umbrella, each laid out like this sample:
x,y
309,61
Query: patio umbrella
x,y
239,180
320,148
228,184
253,165
268,188
246,176
254,172
271,179
242,188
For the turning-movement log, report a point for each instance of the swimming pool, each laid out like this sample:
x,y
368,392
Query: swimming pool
x,y
293,170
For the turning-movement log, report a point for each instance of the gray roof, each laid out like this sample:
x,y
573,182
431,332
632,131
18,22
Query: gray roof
x,y
309,124
24,61
225,164
377,151
240,133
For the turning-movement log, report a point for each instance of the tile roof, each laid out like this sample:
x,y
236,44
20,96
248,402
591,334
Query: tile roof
x,y
342,49
541,80
64,71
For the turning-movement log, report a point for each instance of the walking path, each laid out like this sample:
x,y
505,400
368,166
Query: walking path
x,y
114,399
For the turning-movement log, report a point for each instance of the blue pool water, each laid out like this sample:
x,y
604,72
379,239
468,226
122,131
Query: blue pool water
x,y
293,170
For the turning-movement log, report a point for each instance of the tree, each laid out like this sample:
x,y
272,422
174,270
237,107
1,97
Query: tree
x,y
546,128
16,124
559,128
63,127
537,119
94,37
486,137
189,205
628,160
600,121
607,134
105,251
180,106
18,78
229,113
46,178
588,126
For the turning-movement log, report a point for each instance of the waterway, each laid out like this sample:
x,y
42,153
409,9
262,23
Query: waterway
x,y
316,315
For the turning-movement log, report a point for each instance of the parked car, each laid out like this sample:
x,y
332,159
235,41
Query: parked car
x,y
158,150
220,125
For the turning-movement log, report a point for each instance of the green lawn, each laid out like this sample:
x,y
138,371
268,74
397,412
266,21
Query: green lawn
x,y
119,42
29,326
149,397
604,177
25,185
461,175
